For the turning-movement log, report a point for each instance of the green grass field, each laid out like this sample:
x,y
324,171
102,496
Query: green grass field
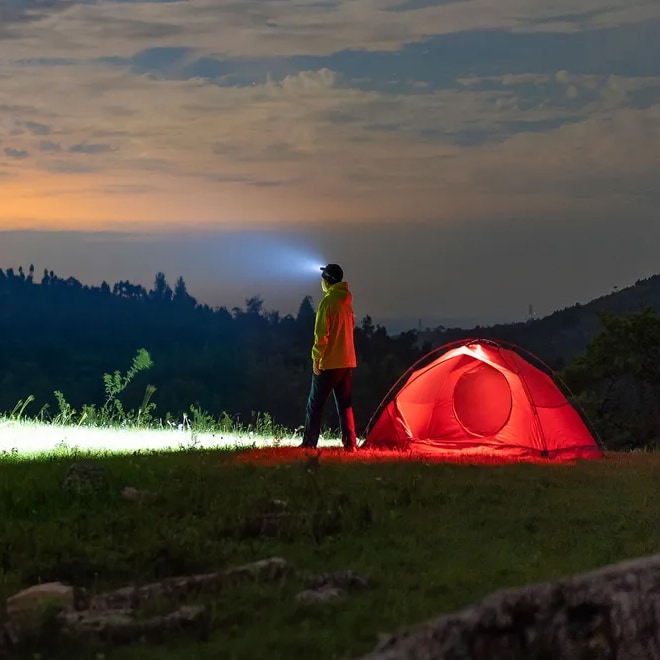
x,y
432,538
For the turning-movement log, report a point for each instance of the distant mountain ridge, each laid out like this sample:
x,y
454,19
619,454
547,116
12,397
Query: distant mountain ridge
x,y
396,325
565,333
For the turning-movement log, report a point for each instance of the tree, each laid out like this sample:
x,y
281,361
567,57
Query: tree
x,y
618,379
305,319
161,293
254,306
368,327
181,295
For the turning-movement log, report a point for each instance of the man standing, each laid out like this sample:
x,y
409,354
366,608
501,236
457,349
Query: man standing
x,y
333,359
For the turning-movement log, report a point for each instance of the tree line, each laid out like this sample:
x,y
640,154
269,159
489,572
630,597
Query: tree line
x,y
60,335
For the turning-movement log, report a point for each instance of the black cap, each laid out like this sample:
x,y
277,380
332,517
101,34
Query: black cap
x,y
332,273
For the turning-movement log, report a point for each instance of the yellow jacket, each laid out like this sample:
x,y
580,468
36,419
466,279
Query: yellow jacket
x,y
334,347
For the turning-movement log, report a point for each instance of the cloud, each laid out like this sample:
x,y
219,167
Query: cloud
x,y
47,145
263,29
313,135
35,128
407,5
337,109
60,166
16,154
306,82
90,148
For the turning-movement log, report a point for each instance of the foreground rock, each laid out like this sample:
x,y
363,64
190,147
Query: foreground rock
x,y
150,612
609,614
123,626
331,586
28,609
119,616
183,588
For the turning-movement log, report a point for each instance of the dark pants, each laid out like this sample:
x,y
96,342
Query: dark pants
x,y
339,382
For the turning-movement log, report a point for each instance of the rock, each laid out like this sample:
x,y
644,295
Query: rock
x,y
85,478
609,614
117,615
122,626
331,586
338,579
53,593
264,570
29,610
179,588
322,595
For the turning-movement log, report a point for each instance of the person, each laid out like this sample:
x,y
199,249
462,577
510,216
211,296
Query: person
x,y
333,359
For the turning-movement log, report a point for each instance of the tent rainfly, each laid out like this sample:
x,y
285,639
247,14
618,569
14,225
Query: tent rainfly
x,y
480,397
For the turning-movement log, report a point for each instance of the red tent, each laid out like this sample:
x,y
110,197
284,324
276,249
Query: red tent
x,y
479,397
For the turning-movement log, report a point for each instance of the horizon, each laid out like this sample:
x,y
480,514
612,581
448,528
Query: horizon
x,y
393,324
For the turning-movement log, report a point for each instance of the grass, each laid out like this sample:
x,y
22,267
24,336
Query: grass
x,y
112,414
432,537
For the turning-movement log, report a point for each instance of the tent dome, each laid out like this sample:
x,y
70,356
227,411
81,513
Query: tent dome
x,y
479,397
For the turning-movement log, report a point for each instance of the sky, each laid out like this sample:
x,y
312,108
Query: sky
x,y
460,159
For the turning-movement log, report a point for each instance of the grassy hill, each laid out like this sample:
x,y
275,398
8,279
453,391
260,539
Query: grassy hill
x,y
416,530
562,335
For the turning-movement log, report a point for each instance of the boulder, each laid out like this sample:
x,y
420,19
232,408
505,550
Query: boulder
x,y
612,613
28,611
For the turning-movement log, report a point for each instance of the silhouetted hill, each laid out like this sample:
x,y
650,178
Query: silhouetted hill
x,y
562,335
394,325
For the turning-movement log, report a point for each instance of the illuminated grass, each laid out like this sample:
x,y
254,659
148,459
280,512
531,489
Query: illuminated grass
x,y
433,537
28,440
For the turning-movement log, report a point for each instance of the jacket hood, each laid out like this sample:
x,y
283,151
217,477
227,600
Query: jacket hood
x,y
340,292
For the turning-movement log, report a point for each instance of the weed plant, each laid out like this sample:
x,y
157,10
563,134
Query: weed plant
x,y
113,415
